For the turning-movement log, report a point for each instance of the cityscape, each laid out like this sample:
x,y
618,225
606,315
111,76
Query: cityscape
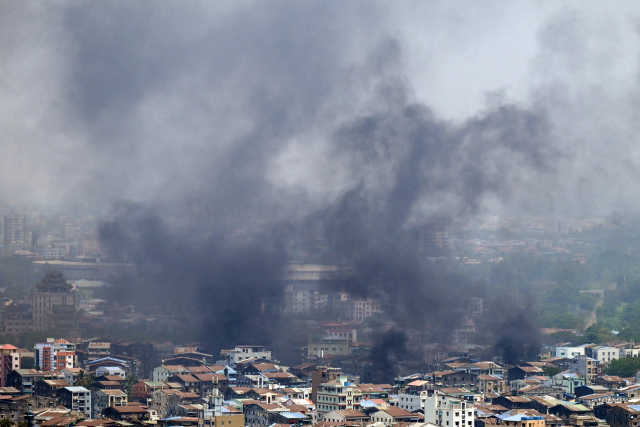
x,y
326,214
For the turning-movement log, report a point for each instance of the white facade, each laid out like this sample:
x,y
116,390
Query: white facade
x,y
606,354
110,370
412,401
630,352
161,373
80,400
569,352
244,352
448,411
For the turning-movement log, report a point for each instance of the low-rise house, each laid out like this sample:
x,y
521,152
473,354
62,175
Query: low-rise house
x,y
211,381
76,399
24,379
348,416
490,384
512,402
567,410
593,400
289,418
631,391
586,390
282,378
129,366
393,415
103,399
225,370
610,381
181,398
142,389
162,373
187,381
48,388
522,372
624,415
129,413
373,391
71,374
110,371
257,414
566,381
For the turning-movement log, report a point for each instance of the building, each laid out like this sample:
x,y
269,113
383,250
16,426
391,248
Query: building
x,y
14,232
53,304
585,367
358,309
244,352
55,355
103,399
76,399
567,382
451,411
570,352
84,270
9,361
392,415
339,394
519,419
606,354
321,344
347,416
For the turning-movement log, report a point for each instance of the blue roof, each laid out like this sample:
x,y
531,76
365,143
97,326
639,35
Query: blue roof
x,y
634,407
112,359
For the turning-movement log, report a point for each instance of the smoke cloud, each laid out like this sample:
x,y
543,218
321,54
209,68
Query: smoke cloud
x,y
212,134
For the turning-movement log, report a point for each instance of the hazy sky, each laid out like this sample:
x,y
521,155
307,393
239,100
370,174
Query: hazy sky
x,y
157,101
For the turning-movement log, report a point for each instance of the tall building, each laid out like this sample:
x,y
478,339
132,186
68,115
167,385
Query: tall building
x,y
14,229
55,355
9,361
53,304
443,410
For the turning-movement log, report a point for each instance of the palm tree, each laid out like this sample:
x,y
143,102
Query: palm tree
x,y
83,380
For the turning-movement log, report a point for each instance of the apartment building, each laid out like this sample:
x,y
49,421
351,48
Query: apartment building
x,y
339,394
448,411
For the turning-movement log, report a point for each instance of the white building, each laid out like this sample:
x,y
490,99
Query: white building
x,y
630,352
412,400
244,352
606,354
570,352
76,399
161,373
110,370
448,411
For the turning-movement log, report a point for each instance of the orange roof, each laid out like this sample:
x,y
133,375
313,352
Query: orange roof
x,y
8,347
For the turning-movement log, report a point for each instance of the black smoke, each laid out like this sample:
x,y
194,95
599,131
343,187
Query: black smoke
x,y
210,136
389,349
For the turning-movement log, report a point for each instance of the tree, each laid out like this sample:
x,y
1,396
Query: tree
x,y
6,422
130,385
625,367
27,362
551,370
84,380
